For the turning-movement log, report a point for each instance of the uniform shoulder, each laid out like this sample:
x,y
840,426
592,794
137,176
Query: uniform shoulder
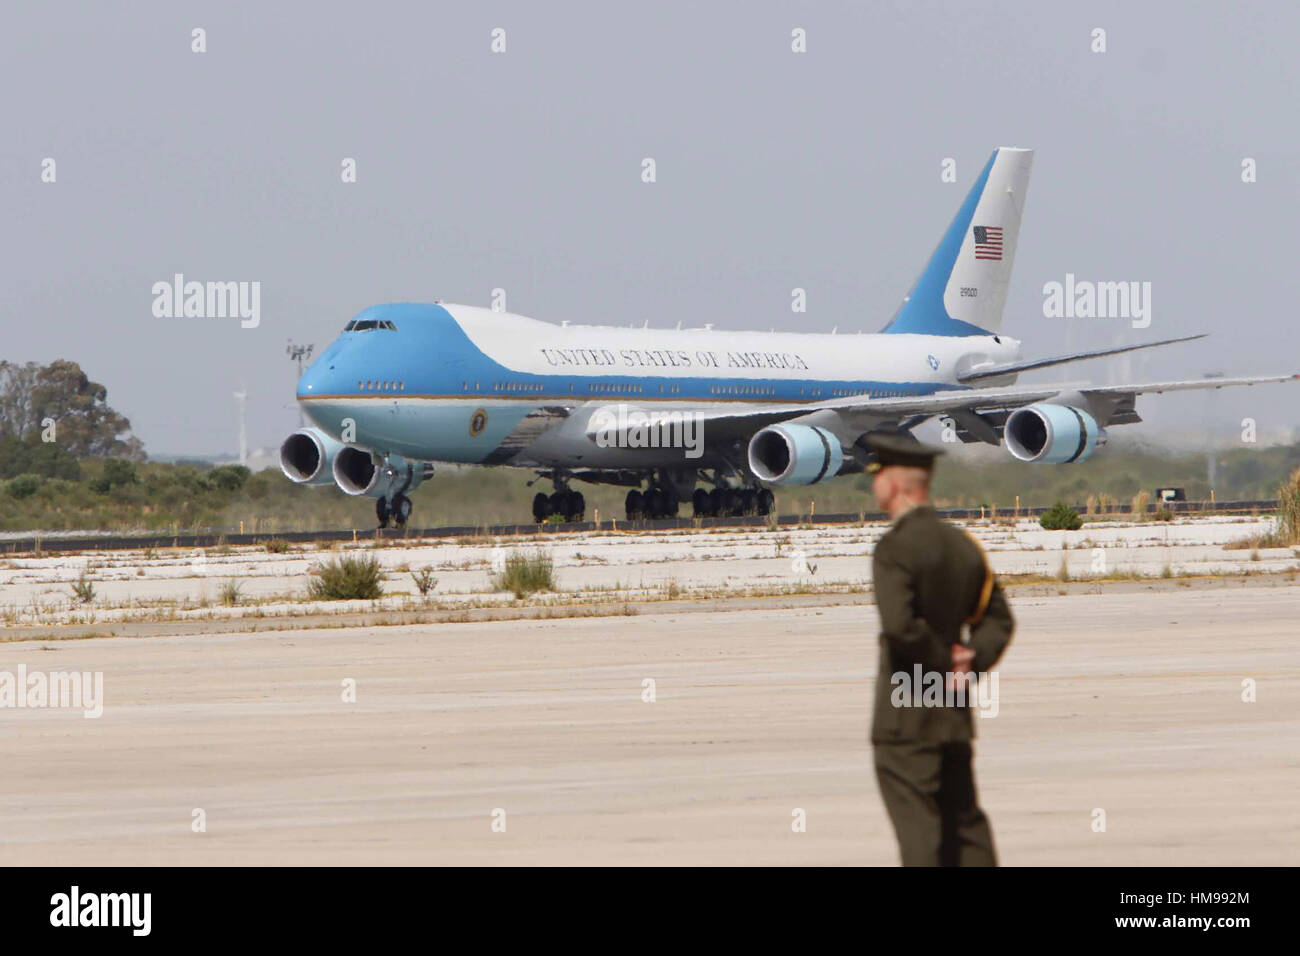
x,y
922,520
907,533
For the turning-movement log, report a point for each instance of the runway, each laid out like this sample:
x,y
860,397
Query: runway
x,y
1125,702
65,542
143,593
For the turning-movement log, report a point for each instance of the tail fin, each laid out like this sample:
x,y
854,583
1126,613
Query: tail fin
x,y
964,286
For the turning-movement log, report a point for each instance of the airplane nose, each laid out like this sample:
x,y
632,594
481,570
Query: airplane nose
x,y
315,380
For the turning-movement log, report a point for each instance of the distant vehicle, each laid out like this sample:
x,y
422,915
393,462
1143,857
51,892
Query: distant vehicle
x,y
662,411
1170,494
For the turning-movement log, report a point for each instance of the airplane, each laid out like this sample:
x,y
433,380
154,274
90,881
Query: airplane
x,y
717,418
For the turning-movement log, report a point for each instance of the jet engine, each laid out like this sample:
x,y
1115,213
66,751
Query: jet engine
x,y
795,455
307,457
1056,434
359,471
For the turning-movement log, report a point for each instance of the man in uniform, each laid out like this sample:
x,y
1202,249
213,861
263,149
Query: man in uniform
x,y
943,618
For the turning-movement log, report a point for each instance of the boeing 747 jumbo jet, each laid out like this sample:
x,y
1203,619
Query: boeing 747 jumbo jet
x,y
667,412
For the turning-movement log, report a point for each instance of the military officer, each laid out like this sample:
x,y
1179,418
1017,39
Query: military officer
x,y
943,622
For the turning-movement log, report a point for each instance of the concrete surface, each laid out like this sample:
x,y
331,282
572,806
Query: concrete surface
x,y
168,584
1128,702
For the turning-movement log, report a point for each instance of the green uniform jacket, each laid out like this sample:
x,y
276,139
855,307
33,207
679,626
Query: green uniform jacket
x,y
928,576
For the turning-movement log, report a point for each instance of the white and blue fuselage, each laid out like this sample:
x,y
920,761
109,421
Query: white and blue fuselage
x,y
458,383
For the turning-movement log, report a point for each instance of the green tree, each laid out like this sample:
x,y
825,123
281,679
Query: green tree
x,y
85,425
24,486
1061,517
117,473
228,477
35,457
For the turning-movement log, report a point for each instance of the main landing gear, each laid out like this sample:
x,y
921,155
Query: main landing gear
x,y
721,502
655,502
667,492
568,504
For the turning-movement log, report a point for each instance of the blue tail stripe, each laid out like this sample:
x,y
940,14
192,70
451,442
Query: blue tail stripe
x,y
923,313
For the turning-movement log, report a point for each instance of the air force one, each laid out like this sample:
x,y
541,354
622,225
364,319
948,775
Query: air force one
x,y
717,418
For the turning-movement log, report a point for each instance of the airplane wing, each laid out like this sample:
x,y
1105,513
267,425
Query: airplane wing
x,y
1186,385
906,411
979,373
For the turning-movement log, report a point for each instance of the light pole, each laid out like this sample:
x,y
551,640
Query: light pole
x,y
300,354
241,400
1211,456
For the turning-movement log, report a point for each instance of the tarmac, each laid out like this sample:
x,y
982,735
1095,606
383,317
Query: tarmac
x,y
542,742
36,592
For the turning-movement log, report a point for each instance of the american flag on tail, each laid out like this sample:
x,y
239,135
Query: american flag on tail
x,y
988,242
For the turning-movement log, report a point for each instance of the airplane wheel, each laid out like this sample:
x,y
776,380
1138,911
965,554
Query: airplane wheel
x,y
577,506
700,503
541,507
401,510
671,503
664,503
716,500
382,512
746,501
766,501
634,505
560,504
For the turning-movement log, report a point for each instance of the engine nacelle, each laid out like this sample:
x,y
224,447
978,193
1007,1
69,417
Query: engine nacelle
x,y
1056,434
307,457
795,455
359,471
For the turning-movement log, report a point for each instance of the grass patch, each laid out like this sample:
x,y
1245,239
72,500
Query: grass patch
x,y
83,589
1061,517
1288,510
230,593
347,578
424,580
526,572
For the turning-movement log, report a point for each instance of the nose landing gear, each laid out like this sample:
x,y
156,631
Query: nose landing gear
x,y
394,504
399,509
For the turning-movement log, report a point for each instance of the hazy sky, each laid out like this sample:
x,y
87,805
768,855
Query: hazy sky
x,y
522,170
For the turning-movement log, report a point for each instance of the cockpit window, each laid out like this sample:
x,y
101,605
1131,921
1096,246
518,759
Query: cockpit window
x,y
366,325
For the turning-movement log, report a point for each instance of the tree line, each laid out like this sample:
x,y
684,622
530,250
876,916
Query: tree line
x,y
53,416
